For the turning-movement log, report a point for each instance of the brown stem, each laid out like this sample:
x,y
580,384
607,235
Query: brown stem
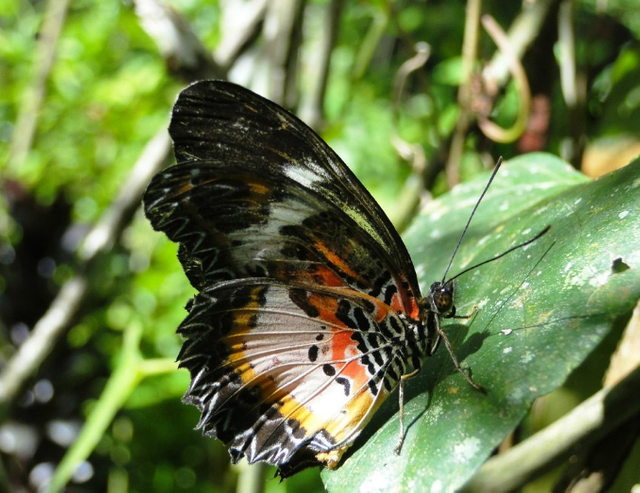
x,y
469,54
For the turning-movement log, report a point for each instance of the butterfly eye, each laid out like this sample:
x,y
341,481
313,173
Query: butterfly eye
x,y
442,295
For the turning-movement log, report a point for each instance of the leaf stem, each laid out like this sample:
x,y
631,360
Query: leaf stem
x,y
591,420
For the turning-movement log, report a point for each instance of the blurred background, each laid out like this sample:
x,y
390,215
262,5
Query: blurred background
x,y
414,95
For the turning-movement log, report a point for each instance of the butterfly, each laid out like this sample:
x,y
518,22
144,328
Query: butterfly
x,y
308,312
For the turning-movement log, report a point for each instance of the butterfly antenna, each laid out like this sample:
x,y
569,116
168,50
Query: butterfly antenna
x,y
530,240
455,251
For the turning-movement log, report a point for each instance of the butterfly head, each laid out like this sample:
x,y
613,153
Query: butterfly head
x,y
440,298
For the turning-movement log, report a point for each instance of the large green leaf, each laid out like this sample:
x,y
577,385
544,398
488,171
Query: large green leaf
x,y
541,310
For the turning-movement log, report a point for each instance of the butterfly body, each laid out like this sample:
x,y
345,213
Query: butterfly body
x,y
308,310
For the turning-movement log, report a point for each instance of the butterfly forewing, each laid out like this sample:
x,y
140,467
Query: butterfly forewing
x,y
307,310
225,123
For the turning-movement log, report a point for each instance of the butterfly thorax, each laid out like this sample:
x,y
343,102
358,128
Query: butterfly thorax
x,y
435,305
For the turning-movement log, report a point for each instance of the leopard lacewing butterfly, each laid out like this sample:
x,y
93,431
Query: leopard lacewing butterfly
x,y
308,312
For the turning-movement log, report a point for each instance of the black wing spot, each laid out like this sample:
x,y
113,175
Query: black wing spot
x,y
342,314
346,384
361,319
328,370
377,356
319,337
395,325
389,293
313,353
373,387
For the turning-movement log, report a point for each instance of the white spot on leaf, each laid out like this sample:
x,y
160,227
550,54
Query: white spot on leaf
x,y
466,450
437,487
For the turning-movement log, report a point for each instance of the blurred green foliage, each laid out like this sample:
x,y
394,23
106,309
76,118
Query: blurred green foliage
x,y
108,92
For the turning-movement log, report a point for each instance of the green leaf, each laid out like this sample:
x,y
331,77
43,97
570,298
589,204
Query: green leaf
x,y
540,311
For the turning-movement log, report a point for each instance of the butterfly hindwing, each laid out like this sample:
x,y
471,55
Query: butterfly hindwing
x,y
284,368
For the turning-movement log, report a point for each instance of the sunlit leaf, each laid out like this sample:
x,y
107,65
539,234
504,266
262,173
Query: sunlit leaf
x,y
541,310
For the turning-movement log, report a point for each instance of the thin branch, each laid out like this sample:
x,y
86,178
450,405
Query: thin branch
x,y
312,107
369,44
185,56
251,477
594,418
524,30
106,231
409,198
22,138
573,86
278,52
627,355
597,466
239,25
122,381
469,54
45,333
489,128
416,62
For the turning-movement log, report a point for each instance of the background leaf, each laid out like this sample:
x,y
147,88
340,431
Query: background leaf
x,y
555,299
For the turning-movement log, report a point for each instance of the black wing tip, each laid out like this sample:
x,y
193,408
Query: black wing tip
x,y
212,90
205,114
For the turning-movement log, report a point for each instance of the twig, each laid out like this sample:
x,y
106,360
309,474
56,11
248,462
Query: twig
x,y
54,17
469,54
251,477
408,152
524,30
489,128
184,54
627,355
278,52
240,24
312,108
409,198
41,340
121,383
416,62
369,44
591,420
598,465
106,232
572,84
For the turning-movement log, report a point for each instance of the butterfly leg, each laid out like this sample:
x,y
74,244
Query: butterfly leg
x,y
403,379
456,363
452,314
